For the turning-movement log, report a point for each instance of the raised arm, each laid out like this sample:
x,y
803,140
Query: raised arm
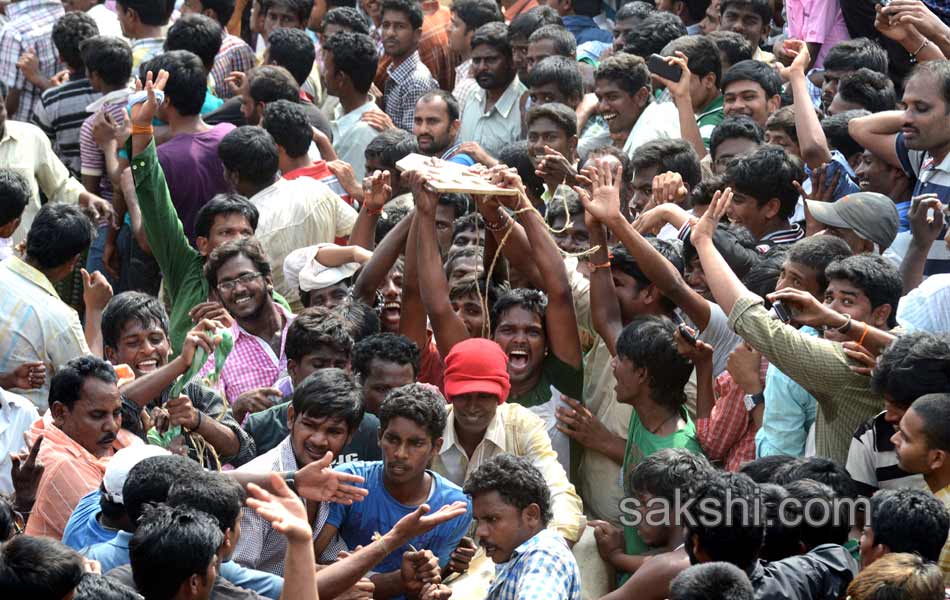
x,y
877,133
517,249
811,137
724,284
384,257
412,316
679,90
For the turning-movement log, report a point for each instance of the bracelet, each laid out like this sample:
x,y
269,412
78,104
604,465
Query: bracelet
x,y
605,265
374,212
864,335
913,57
846,327
198,424
142,130
503,224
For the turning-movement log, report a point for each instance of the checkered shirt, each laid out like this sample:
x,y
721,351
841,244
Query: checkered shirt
x,y
234,55
405,84
541,568
30,28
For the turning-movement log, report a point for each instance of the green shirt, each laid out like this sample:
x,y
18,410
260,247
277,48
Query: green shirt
x,y
640,444
554,372
182,266
708,118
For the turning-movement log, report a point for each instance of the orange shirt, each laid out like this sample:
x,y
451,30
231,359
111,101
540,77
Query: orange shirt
x,y
70,472
519,7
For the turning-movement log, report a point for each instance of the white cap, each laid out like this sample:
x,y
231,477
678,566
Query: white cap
x,y
302,271
117,471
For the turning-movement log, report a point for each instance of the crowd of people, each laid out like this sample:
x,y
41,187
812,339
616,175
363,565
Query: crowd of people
x,y
508,299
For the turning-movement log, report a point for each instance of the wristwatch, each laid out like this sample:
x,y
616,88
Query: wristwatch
x,y
753,400
291,480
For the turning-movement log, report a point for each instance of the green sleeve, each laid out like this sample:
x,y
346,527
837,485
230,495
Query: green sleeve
x,y
565,378
175,255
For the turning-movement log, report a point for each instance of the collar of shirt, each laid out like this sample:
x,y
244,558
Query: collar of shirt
x,y
56,440
27,272
239,332
405,70
113,97
463,71
782,236
346,120
545,537
715,105
15,9
286,461
495,433
507,102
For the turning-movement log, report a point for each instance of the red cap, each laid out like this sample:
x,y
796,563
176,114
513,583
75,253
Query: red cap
x,y
474,366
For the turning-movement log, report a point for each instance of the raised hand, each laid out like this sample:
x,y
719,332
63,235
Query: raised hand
x,y
580,424
25,472
916,13
283,509
745,365
507,177
236,81
377,190
213,311
679,90
317,481
555,168
29,65
924,227
200,336
801,58
144,112
96,291
806,309
669,188
603,203
695,352
182,412
704,229
424,197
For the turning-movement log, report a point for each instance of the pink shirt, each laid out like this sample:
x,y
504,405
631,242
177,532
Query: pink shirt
x,y
816,21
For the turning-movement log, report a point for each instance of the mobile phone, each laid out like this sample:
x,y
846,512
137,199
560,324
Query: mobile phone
x,y
781,312
881,3
658,66
687,334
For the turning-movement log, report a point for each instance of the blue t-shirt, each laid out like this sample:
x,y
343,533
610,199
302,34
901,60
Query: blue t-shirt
x,y
379,512
83,528
111,554
265,584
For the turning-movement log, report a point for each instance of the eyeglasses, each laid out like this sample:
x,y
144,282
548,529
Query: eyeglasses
x,y
230,284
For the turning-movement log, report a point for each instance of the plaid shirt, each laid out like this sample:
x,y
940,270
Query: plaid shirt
x,y
405,84
260,547
728,434
542,567
30,28
234,55
60,114
252,363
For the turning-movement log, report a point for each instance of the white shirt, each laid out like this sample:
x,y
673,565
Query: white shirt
x,y
295,214
106,20
499,126
927,307
16,416
659,120
351,135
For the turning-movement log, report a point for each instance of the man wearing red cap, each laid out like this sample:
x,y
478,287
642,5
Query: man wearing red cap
x,y
481,425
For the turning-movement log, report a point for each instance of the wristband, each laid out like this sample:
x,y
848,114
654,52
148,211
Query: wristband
x,y
374,212
864,335
142,130
753,400
291,480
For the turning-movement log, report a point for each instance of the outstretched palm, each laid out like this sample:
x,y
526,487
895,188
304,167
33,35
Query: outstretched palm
x,y
284,510
706,227
143,112
603,203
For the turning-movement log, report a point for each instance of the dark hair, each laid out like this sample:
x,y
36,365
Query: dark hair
x,y
198,34
493,34
389,219
187,80
169,546
735,127
66,385
524,24
59,233
648,343
587,8
154,13
354,54
783,120
565,118
636,10
782,539
99,587
391,146
475,13
653,34
668,471
737,538
874,275
719,580
561,71
249,248
359,318
386,347
762,277
458,202
477,253
412,10
287,123
913,365
516,155
755,71
38,567
908,520
533,301
625,263
823,470
763,468
329,393
128,306
565,44
869,89
7,519
310,330
934,411
817,503
816,253
835,128
252,153
518,482
470,222
16,194
149,481
702,53
628,71
268,83
557,211
300,8
293,50
210,492
346,17
669,155
418,402
940,70
224,204
68,33
760,7
223,9
474,286
451,104
110,57
851,55
729,235
734,46
767,173
611,150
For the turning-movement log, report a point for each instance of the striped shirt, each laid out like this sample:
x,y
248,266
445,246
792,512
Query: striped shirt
x,y
872,462
234,55
30,28
931,178
92,160
60,114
